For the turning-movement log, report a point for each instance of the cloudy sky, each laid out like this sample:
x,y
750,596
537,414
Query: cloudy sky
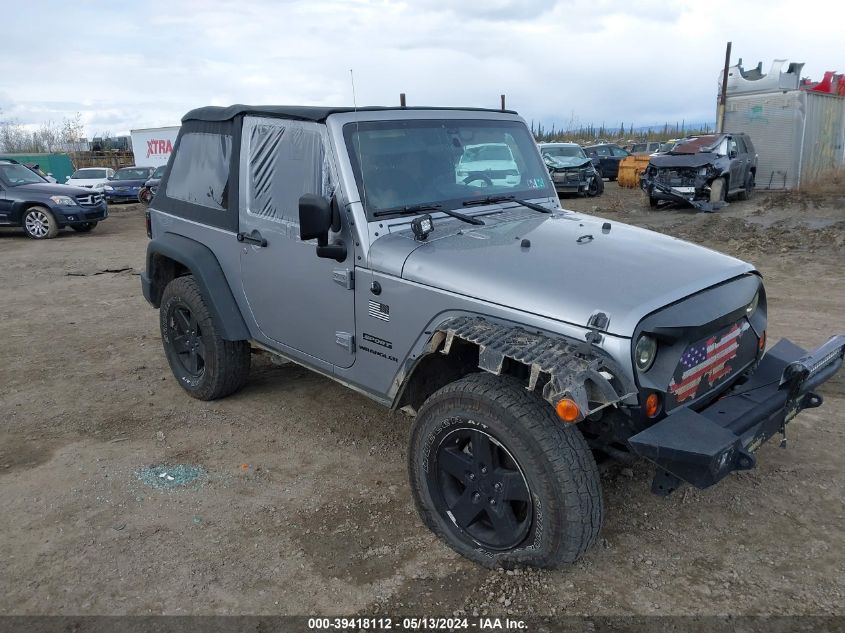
x,y
142,64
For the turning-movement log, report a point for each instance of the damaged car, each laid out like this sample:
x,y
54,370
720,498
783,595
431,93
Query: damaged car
x,y
702,171
571,170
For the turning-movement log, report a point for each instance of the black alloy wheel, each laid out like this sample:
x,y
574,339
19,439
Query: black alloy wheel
x,y
185,335
481,487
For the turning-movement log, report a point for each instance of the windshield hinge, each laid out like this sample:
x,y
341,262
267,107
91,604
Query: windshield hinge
x,y
344,277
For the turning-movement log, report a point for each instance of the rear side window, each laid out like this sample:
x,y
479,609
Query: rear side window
x,y
618,151
200,172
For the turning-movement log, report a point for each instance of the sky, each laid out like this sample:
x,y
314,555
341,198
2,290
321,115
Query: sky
x,y
132,65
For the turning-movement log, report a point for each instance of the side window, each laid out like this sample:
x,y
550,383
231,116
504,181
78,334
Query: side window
x,y
283,160
618,152
732,148
200,173
740,145
603,151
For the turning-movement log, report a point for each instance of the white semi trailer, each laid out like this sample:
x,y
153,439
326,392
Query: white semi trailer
x,y
153,146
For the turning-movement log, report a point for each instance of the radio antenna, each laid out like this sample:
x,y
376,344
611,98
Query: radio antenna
x,y
358,142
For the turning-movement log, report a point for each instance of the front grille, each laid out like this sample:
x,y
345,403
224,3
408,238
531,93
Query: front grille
x,y
709,363
89,199
570,175
676,177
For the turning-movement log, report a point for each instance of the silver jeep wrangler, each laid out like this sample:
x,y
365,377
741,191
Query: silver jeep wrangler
x,y
379,247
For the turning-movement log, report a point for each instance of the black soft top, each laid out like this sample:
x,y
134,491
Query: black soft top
x,y
299,113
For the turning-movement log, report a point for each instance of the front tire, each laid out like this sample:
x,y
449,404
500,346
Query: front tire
x,y
205,365
719,190
40,224
500,478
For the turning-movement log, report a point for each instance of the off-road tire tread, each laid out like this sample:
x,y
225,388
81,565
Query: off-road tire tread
x,y
573,469
233,357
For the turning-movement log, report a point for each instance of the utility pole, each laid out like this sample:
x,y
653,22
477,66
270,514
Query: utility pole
x,y
720,111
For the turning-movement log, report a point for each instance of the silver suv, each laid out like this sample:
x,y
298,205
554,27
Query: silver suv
x,y
383,248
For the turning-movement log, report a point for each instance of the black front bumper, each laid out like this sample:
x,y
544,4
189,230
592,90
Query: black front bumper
x,y
701,447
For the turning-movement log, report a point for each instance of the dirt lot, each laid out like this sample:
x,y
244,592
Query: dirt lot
x,y
305,507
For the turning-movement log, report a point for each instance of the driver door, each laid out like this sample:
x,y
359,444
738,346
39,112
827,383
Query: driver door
x,y
297,299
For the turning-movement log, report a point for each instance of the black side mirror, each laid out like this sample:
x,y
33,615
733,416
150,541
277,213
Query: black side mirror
x,y
732,153
316,216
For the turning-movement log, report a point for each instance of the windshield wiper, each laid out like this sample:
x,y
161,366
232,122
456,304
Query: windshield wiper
x,y
495,199
414,209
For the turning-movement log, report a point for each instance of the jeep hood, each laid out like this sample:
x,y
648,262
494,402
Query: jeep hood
x,y
572,268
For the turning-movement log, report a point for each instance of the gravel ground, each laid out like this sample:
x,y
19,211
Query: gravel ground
x,y
303,507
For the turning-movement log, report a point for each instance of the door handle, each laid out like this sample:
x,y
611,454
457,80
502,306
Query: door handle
x,y
254,238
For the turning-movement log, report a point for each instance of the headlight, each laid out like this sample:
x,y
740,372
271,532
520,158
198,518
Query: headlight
x,y
702,171
65,201
751,307
108,188
644,352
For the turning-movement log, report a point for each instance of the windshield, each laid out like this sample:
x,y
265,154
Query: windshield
x,y
132,174
696,144
566,151
87,174
159,172
15,175
446,162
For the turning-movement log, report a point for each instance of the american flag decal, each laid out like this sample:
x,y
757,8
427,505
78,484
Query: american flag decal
x,y
379,311
706,359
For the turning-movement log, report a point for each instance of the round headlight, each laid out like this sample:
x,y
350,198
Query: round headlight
x,y
644,352
749,309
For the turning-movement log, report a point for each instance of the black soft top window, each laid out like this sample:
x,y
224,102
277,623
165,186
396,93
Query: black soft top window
x,y
200,183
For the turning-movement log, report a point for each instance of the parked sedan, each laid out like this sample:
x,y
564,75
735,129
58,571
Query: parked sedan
x,y
127,183
606,157
91,178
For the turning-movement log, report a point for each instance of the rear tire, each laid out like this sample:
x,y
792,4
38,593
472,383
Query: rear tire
x,y
205,365
84,228
40,224
500,478
748,192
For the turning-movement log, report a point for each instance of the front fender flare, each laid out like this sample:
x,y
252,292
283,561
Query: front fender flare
x,y
568,368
